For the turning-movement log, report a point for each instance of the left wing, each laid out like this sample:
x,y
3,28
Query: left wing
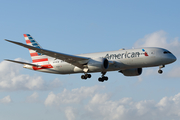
x,y
24,63
72,59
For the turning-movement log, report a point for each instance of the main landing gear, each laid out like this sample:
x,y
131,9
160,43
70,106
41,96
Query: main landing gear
x,y
85,76
103,78
100,79
160,71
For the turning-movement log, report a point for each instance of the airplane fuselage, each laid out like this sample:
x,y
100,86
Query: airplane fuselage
x,y
122,59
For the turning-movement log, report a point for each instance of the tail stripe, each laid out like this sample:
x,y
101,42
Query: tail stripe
x,y
30,37
40,60
28,41
25,35
36,57
33,54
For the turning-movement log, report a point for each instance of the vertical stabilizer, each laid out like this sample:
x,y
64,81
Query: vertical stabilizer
x,y
36,57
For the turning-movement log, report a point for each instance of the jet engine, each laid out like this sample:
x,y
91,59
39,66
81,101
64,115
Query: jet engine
x,y
131,72
98,64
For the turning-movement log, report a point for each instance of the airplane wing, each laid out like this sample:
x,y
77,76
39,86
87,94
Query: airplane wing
x,y
23,63
72,59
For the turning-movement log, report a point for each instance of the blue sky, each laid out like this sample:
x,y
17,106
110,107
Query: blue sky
x,y
76,27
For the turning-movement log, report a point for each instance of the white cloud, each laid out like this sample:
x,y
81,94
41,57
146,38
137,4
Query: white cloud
x,y
159,39
156,39
32,98
6,99
170,106
51,99
73,96
99,98
95,105
11,79
55,83
69,112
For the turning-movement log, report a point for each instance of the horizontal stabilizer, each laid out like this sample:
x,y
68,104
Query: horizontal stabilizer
x,y
24,63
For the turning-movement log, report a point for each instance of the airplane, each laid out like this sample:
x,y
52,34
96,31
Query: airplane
x,y
128,62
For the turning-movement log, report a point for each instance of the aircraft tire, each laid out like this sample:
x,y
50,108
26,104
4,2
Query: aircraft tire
x,y
83,77
88,75
160,71
105,78
101,79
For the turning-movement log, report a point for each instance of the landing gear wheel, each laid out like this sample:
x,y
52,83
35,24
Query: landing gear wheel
x,y
100,79
105,78
160,71
88,75
83,77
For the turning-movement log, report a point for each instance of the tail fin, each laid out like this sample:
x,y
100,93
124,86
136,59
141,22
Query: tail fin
x,y
36,57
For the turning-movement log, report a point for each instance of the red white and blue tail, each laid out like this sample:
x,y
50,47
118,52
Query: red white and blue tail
x,y
36,57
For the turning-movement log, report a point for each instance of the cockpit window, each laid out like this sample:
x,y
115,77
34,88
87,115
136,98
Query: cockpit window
x,y
167,52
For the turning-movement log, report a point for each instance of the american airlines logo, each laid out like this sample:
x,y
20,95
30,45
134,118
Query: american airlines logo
x,y
126,55
145,53
123,55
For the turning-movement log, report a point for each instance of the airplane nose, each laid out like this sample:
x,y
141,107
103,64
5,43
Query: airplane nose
x,y
174,58
170,58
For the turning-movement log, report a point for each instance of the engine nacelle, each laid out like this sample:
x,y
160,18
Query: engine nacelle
x,y
132,72
98,64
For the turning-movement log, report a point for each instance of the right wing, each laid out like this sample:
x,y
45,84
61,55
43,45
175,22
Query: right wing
x,y
72,59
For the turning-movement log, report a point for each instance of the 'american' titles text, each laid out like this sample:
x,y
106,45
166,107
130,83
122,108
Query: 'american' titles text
x,y
123,55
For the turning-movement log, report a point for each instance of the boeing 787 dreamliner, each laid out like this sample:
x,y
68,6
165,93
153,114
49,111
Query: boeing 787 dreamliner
x,y
128,62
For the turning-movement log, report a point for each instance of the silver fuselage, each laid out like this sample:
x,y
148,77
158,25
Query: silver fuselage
x,y
121,60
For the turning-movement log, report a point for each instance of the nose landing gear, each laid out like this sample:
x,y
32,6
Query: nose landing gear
x,y
160,71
